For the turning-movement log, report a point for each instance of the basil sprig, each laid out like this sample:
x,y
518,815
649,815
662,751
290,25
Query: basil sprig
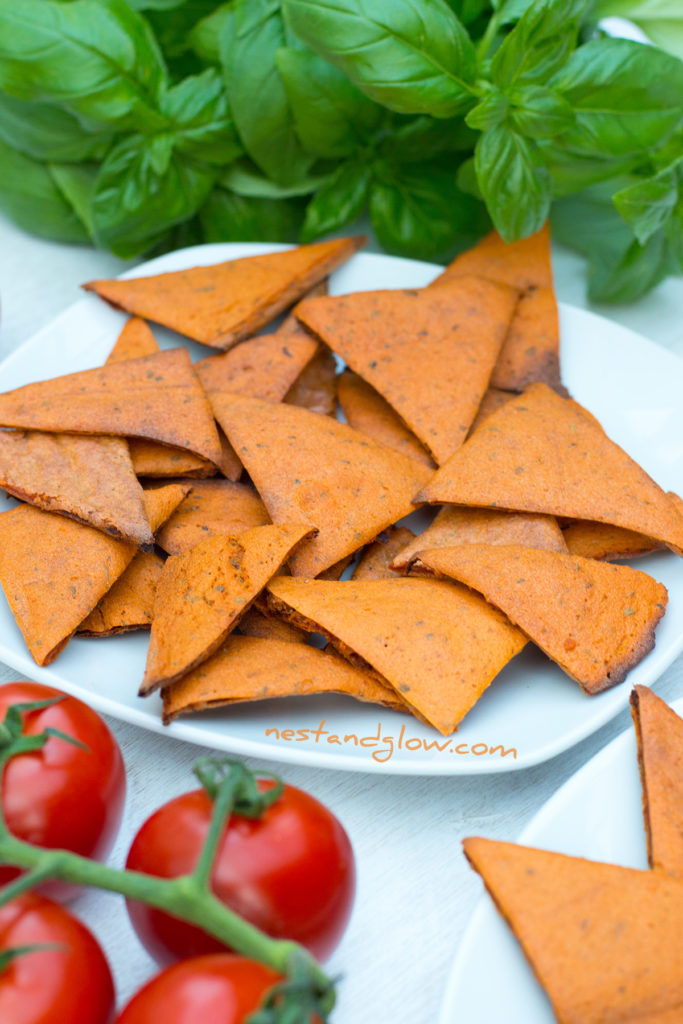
x,y
146,124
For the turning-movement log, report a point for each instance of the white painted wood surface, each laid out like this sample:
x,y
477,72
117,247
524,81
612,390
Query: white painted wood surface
x,y
415,892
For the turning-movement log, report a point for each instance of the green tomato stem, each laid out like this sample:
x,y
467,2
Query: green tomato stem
x,y
184,897
28,880
188,897
223,804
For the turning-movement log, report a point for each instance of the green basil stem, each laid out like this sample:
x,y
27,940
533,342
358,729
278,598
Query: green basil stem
x,y
484,44
188,897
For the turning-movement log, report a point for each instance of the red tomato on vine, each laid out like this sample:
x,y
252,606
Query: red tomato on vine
x,y
68,984
290,872
65,795
216,989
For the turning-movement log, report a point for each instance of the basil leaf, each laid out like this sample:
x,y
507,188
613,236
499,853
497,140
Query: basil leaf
x,y
648,204
419,210
514,182
154,5
245,179
627,97
200,120
572,172
660,20
640,268
540,113
44,132
667,34
589,223
257,97
467,179
509,11
172,30
620,269
489,112
204,38
76,182
540,42
422,138
468,11
227,217
634,9
332,118
412,56
97,58
30,197
144,189
180,237
339,202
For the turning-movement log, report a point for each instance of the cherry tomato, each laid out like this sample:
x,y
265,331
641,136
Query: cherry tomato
x,y
71,984
290,872
63,796
217,989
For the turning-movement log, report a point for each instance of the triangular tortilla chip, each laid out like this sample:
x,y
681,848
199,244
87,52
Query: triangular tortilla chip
x,y
135,340
596,620
366,410
213,507
161,502
222,304
453,526
250,668
264,367
598,540
438,645
531,348
311,469
316,386
378,556
603,941
149,458
54,571
157,396
677,501
429,353
290,323
659,731
229,463
129,604
492,400
203,592
530,352
269,627
521,265
336,571
159,460
90,479
541,453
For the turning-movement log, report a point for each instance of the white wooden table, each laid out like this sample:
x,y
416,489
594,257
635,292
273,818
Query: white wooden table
x,y
415,891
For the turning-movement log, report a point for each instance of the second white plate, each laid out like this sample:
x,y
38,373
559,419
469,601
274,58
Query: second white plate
x,y
596,814
532,711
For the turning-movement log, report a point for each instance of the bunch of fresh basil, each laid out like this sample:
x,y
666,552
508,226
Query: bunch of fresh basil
x,y
143,125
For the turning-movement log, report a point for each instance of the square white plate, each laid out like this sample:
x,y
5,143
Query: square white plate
x,y
532,711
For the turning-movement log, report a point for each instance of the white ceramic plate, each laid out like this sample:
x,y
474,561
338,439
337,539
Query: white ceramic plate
x,y
596,814
532,710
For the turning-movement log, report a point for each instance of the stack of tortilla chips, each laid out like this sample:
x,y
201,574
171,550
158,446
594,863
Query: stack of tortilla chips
x,y
605,942
452,397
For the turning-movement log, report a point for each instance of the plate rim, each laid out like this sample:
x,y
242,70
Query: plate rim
x,y
191,732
